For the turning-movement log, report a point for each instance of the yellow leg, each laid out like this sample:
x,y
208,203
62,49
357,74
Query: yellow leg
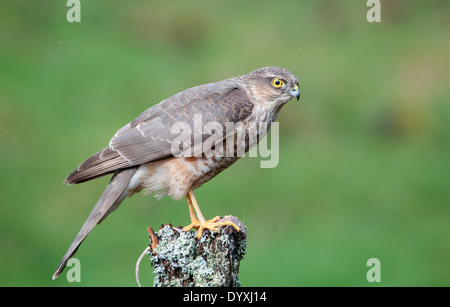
x,y
201,224
194,222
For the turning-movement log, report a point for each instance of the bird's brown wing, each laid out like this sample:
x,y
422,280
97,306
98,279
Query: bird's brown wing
x,y
149,137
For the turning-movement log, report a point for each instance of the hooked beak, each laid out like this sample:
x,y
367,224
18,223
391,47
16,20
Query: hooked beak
x,y
295,92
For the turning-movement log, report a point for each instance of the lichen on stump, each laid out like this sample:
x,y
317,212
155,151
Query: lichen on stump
x,y
181,260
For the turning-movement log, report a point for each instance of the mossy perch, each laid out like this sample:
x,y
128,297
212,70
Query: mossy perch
x,y
180,260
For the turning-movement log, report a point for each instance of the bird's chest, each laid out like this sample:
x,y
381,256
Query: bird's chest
x,y
189,173
183,174
208,168
244,137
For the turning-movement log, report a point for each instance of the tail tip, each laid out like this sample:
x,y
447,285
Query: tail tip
x,y
57,273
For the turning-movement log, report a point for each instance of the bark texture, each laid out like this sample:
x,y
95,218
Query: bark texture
x,y
180,260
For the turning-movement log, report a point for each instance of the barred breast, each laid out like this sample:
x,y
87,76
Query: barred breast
x,y
176,176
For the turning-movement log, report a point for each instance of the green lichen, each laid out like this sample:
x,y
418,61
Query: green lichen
x,y
180,259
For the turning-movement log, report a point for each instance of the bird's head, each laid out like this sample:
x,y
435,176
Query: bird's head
x,y
273,86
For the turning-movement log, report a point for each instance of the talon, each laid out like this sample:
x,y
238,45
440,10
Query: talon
x,y
212,225
200,224
230,224
194,224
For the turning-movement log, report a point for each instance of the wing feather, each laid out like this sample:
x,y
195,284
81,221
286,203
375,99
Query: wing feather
x,y
149,137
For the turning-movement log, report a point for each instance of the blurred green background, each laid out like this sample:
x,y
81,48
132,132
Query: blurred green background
x,y
364,156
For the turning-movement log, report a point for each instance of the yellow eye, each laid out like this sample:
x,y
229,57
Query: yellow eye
x,y
277,83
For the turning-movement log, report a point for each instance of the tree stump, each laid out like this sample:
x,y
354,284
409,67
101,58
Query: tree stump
x,y
181,260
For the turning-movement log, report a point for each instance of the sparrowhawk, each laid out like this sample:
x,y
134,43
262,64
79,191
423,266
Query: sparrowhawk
x,y
144,155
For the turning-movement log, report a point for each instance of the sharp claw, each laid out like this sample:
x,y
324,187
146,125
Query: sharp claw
x,y
211,225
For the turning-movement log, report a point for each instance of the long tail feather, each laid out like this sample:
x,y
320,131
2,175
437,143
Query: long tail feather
x,y
111,198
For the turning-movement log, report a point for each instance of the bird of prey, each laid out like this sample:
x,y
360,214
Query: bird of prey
x,y
145,155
